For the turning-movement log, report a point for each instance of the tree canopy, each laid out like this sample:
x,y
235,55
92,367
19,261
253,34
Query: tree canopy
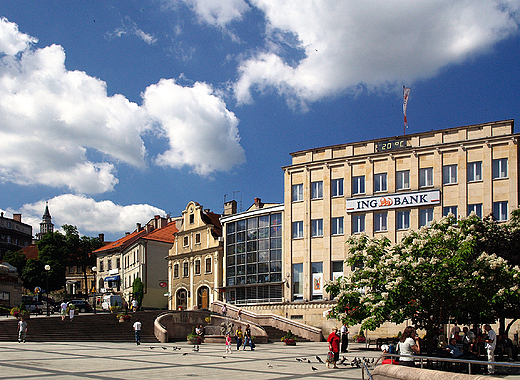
x,y
447,270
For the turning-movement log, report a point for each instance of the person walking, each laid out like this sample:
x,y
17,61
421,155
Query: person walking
x,y
223,310
248,339
134,305
228,343
137,329
333,341
491,343
344,338
239,314
22,330
239,334
63,307
72,309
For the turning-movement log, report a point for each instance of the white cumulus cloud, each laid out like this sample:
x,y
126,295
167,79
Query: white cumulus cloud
x,y
376,45
91,217
201,131
218,13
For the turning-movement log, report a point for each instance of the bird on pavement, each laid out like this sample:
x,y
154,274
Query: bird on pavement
x,y
314,368
319,359
164,348
269,365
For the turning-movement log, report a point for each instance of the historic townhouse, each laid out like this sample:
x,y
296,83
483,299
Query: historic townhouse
x,y
196,260
385,187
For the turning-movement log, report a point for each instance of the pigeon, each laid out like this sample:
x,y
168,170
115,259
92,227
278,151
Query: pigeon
x,y
342,360
304,359
298,360
314,368
224,357
151,348
196,349
319,359
164,348
185,354
269,365
308,361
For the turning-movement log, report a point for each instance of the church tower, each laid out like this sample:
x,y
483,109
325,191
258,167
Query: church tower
x,y
46,224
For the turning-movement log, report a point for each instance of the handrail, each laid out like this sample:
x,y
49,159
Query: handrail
x,y
450,360
365,368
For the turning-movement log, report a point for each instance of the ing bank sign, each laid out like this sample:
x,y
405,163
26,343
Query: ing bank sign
x,y
417,199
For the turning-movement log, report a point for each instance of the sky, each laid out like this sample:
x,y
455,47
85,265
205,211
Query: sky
x,y
114,111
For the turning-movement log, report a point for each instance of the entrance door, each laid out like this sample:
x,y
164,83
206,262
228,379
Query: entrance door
x,y
181,299
203,297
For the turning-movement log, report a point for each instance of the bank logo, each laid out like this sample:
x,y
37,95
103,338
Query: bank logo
x,y
416,199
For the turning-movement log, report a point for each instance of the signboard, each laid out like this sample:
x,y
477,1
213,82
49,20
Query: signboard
x,y
163,284
416,199
317,283
391,145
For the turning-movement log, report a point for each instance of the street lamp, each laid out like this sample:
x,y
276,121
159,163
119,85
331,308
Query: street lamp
x,y
94,269
47,268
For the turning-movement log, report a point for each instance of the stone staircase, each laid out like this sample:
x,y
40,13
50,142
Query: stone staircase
x,y
275,334
101,327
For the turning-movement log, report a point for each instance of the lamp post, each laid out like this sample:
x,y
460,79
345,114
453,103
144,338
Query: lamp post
x,y
47,268
94,302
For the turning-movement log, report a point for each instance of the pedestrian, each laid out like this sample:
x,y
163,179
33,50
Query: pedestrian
x,y
248,338
72,309
239,314
333,341
344,338
239,335
125,306
137,330
491,343
228,343
223,310
134,305
63,307
409,345
22,330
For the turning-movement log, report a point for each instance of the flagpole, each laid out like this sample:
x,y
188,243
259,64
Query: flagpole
x,y
406,93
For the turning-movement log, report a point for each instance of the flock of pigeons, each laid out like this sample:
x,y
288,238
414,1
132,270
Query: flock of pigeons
x,y
356,362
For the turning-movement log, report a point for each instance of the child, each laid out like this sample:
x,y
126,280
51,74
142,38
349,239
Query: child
x,y
228,343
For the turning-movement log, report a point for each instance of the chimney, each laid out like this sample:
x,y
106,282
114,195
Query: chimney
x,y
17,217
138,227
258,203
102,238
230,208
127,233
148,228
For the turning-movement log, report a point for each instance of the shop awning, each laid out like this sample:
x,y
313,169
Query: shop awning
x,y
113,278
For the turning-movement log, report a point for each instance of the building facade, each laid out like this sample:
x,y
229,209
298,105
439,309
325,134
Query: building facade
x,y
253,253
385,187
195,262
14,235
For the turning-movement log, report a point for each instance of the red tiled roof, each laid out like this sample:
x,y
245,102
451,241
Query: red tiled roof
x,y
123,242
165,234
30,251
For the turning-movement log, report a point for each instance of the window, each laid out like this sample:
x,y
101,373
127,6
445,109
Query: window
x,y
403,220
297,270
426,177
449,174
380,222
192,218
197,238
337,226
402,180
109,262
186,241
358,185
316,227
337,269
175,271
500,211
197,266
118,263
317,190
185,269
297,192
476,208
337,187
500,168
71,269
101,266
446,210
297,230
475,171
425,217
317,280
358,223
380,182
208,264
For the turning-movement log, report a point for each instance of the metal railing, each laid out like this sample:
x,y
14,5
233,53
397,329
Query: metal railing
x,y
422,359
363,369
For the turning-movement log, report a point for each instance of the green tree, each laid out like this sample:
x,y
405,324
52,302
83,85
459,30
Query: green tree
x,y
16,259
52,251
138,291
431,275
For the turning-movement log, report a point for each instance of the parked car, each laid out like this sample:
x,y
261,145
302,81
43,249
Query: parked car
x,y
111,300
82,306
36,307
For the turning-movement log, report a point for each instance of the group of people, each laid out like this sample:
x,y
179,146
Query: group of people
x,y
243,338
337,340
67,307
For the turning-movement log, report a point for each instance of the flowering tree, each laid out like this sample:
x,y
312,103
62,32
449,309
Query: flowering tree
x,y
433,274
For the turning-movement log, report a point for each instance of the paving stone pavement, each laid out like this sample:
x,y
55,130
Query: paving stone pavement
x,y
71,360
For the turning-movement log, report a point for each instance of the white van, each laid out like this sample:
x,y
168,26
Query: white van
x,y
111,300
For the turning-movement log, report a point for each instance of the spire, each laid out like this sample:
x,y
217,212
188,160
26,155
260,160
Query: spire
x,y
46,224
46,214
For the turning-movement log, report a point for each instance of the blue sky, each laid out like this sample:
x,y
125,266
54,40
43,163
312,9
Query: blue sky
x,y
115,111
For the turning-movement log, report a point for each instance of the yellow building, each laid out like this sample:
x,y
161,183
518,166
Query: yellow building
x,y
385,187
195,265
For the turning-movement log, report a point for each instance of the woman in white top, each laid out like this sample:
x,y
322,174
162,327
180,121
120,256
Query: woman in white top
x,y
409,345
